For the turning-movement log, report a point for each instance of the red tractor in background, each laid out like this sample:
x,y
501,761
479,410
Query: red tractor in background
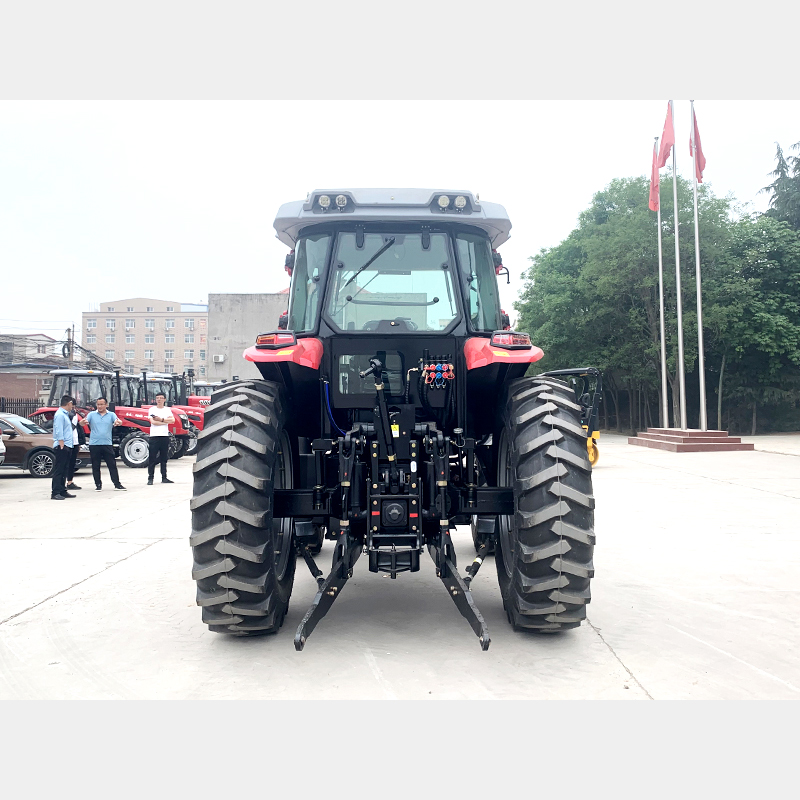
x,y
201,393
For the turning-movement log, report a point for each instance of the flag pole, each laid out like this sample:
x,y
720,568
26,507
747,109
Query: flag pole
x,y
700,352
681,371
664,404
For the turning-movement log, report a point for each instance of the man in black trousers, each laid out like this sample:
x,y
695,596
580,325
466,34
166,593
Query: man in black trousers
x,y
101,443
160,420
62,449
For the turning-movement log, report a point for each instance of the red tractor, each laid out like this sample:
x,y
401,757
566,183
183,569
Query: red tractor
x,y
201,395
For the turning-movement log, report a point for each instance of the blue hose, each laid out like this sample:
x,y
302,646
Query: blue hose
x,y
330,411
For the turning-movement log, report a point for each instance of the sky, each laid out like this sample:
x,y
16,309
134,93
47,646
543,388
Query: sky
x,y
101,200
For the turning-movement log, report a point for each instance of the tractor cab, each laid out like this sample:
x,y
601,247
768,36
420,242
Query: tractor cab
x,y
85,386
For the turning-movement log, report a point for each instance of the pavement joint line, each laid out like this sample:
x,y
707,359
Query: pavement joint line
x,y
614,653
149,514
719,480
740,660
77,583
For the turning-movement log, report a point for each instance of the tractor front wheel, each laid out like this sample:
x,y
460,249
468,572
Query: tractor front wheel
x,y
544,552
134,450
244,559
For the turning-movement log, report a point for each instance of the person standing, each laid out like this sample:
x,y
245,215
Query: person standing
x,y
78,438
160,420
100,423
62,449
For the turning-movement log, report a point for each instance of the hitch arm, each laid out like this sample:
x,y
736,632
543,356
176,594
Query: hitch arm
x,y
458,589
344,557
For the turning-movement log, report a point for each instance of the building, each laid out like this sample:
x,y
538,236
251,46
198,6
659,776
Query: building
x,y
234,321
16,348
144,333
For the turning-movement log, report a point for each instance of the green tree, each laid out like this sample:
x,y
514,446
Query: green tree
x,y
784,191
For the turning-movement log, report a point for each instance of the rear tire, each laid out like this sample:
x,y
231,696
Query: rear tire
x,y
544,553
244,560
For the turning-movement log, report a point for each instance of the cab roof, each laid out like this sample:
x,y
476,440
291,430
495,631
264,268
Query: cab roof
x,y
86,372
396,205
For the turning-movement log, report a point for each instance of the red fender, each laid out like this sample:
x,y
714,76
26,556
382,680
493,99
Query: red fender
x,y
306,353
480,352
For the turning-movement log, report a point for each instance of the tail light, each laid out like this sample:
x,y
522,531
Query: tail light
x,y
509,340
276,339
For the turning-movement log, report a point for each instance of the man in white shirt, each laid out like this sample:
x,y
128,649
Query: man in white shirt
x,y
160,420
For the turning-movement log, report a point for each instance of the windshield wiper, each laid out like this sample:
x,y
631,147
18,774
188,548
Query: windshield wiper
x,y
389,243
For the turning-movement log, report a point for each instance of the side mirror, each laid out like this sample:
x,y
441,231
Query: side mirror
x,y
288,264
10,434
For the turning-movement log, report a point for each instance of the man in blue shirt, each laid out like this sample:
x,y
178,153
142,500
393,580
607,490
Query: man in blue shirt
x,y
62,449
101,447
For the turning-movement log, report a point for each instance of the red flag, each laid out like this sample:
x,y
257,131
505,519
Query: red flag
x,y
700,161
654,199
667,138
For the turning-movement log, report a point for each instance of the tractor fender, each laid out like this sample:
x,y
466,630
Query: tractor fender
x,y
306,353
480,352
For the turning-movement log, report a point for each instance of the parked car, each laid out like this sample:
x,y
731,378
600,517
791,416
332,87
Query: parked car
x,y
29,446
2,451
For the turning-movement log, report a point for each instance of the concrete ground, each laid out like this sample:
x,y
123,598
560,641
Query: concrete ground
x,y
696,595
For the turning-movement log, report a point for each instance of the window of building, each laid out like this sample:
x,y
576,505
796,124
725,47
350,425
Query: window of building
x,y
111,338
188,338
202,370
129,354
149,323
169,338
110,355
170,308
169,354
168,367
130,338
170,323
149,353
41,348
130,368
130,323
188,323
91,323
149,338
149,309
90,338
188,354
202,355
111,323
129,308
109,308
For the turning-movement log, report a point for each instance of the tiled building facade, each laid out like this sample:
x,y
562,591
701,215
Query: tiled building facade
x,y
144,333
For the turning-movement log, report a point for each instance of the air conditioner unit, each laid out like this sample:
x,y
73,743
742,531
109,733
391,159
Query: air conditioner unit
x,y
150,328
128,359
150,359
218,359
128,329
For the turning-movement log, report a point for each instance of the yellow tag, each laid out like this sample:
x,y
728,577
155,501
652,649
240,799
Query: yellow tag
x,y
396,431
500,353
285,352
